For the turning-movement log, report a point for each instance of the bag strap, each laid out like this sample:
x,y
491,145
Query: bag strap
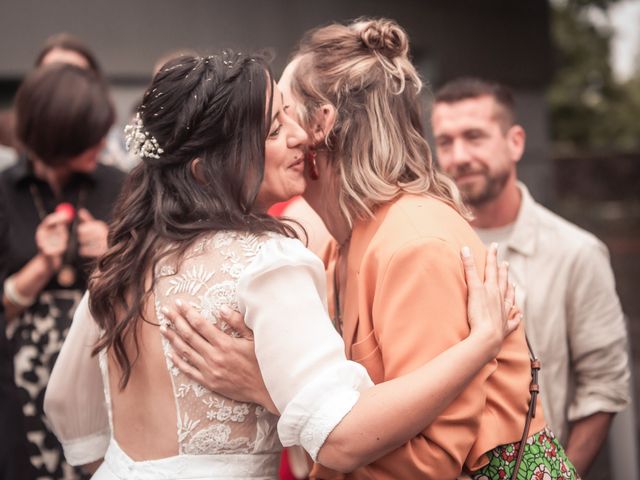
x,y
534,389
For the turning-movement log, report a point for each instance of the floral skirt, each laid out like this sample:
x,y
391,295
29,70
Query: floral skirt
x,y
36,337
543,459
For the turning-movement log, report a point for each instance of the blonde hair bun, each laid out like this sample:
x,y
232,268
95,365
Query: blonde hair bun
x,y
383,36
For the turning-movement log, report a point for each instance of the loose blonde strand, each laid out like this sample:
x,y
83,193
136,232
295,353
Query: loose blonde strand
x,y
364,72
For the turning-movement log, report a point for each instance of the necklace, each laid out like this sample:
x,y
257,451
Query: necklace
x,y
339,266
67,274
337,316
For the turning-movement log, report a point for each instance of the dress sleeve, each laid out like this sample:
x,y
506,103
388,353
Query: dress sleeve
x,y
597,335
282,295
74,402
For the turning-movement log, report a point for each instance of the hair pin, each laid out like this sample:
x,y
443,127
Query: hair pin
x,y
140,142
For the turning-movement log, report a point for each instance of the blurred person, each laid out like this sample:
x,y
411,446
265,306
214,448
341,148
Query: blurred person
x,y
7,128
8,152
63,113
564,279
191,226
63,48
67,48
393,273
8,157
14,457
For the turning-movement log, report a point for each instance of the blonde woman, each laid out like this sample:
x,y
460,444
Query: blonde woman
x,y
398,224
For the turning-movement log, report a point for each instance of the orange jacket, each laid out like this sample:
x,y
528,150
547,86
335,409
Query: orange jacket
x,y
406,302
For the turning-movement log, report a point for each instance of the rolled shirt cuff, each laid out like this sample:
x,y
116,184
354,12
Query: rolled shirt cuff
x,y
84,450
315,411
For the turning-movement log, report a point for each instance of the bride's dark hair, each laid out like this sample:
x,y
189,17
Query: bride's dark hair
x,y
207,108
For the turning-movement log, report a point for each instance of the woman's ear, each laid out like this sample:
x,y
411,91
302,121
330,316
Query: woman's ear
x,y
323,121
196,171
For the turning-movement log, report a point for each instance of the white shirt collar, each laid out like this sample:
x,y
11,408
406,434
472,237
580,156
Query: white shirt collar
x,y
525,232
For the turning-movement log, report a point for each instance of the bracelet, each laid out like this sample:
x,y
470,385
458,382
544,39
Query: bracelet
x,y
14,296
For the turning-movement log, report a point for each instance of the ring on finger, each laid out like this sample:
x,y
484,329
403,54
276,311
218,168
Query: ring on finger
x,y
514,312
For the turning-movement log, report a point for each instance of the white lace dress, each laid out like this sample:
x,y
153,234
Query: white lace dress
x,y
279,286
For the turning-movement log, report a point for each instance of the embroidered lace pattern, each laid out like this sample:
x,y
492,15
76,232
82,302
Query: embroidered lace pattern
x,y
207,278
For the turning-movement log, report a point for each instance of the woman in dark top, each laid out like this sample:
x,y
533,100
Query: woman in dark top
x,y
63,114
14,461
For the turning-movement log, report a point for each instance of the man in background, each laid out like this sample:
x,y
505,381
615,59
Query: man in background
x,y
564,280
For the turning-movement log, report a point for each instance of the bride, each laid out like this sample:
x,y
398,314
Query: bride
x,y
219,148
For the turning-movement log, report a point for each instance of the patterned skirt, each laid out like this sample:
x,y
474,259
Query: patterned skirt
x,y
36,337
543,459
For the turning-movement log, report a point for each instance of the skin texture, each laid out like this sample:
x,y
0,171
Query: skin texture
x,y
92,235
284,156
61,55
33,277
586,438
480,152
52,236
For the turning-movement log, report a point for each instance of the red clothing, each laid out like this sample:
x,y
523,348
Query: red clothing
x,y
277,209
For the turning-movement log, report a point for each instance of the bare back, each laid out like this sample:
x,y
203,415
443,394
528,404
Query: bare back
x,y
163,413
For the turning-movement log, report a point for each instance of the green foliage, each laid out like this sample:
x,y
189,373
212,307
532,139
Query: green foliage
x,y
590,109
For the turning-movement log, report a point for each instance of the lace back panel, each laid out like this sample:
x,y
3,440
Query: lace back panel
x,y
207,278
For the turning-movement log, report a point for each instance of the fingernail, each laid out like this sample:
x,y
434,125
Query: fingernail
x,y
163,329
225,311
179,302
494,246
506,264
466,251
164,310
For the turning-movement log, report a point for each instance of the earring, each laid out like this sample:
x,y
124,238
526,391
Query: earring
x,y
310,159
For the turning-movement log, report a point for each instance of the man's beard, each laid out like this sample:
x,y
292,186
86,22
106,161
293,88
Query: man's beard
x,y
479,193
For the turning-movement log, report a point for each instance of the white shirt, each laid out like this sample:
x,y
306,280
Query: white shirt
x,y
572,314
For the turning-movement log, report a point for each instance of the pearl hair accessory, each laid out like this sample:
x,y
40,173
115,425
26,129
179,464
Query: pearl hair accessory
x,y
140,142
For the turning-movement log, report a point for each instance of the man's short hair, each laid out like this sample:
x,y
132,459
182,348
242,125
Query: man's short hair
x,y
465,88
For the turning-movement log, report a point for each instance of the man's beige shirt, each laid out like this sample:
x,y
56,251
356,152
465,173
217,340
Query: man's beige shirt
x,y
566,289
